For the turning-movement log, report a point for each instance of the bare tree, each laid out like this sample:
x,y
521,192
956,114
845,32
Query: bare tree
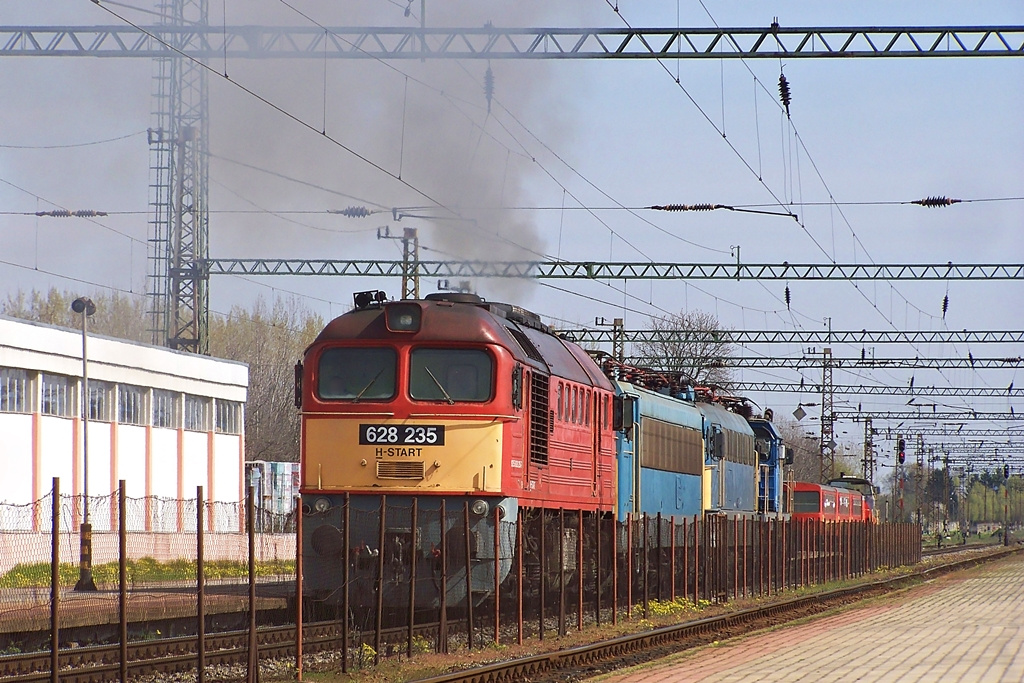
x,y
118,316
271,340
688,344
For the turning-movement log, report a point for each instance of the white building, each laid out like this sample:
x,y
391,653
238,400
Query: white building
x,y
164,421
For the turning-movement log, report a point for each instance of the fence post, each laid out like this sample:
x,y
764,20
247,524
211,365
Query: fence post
x,y
469,576
658,557
686,556
579,569
647,561
672,550
346,562
497,575
615,569
200,590
597,568
519,567
55,582
442,634
735,557
122,582
561,571
252,670
412,574
543,575
297,501
629,565
696,560
381,531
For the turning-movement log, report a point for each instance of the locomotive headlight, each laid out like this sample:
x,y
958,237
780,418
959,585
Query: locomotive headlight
x,y
480,507
403,317
322,505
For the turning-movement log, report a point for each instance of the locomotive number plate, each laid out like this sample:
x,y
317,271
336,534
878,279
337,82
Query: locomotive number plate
x,y
401,435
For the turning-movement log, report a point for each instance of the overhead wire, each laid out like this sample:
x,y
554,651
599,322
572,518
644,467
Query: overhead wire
x,y
73,145
758,175
273,105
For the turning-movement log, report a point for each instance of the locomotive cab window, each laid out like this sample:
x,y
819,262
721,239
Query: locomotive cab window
x,y
450,375
351,374
806,501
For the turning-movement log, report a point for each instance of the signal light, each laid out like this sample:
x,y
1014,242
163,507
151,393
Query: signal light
x,y
1006,471
901,451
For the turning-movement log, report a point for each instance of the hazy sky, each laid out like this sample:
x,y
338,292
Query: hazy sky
x,y
541,175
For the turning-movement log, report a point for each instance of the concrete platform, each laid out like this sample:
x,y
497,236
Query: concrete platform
x,y
964,627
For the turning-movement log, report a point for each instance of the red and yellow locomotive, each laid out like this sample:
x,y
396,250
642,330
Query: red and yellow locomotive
x,y
469,408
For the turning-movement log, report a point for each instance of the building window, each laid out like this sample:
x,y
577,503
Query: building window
x,y
13,391
100,403
131,405
197,413
165,409
58,395
228,417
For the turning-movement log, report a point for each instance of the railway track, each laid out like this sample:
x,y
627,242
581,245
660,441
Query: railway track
x,y
594,659
100,663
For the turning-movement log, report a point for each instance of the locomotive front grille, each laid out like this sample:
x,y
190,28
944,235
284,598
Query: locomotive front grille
x,y
399,470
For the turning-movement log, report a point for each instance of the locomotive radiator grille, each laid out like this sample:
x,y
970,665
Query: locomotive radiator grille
x,y
399,470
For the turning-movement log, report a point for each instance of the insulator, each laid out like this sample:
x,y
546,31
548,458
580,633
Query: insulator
x,y
932,202
687,207
945,305
354,212
788,297
489,86
784,93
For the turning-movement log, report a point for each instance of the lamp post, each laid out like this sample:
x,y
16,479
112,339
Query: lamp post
x,y
86,307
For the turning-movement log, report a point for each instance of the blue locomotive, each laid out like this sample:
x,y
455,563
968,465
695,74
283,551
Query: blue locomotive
x,y
685,452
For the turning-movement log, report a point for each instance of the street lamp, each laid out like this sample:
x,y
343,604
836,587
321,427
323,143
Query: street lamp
x,y
86,307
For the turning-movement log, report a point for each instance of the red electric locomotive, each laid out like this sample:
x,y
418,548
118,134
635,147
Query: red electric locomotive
x,y
828,503
442,412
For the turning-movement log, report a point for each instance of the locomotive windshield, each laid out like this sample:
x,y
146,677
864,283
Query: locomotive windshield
x,y
450,375
806,501
357,374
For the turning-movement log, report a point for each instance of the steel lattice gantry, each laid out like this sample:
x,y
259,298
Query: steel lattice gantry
x,y
877,390
492,42
179,267
179,170
592,270
942,416
858,363
742,337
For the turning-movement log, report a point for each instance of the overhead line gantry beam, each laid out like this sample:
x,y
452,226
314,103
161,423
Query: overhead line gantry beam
x,y
944,416
872,390
892,433
493,43
616,270
795,336
864,364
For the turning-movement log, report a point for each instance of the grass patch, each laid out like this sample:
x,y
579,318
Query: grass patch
x,y
143,570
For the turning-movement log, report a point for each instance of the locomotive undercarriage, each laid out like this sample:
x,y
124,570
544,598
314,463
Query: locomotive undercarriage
x,y
392,560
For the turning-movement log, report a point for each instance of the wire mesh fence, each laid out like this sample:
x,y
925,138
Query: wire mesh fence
x,y
82,548
398,577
